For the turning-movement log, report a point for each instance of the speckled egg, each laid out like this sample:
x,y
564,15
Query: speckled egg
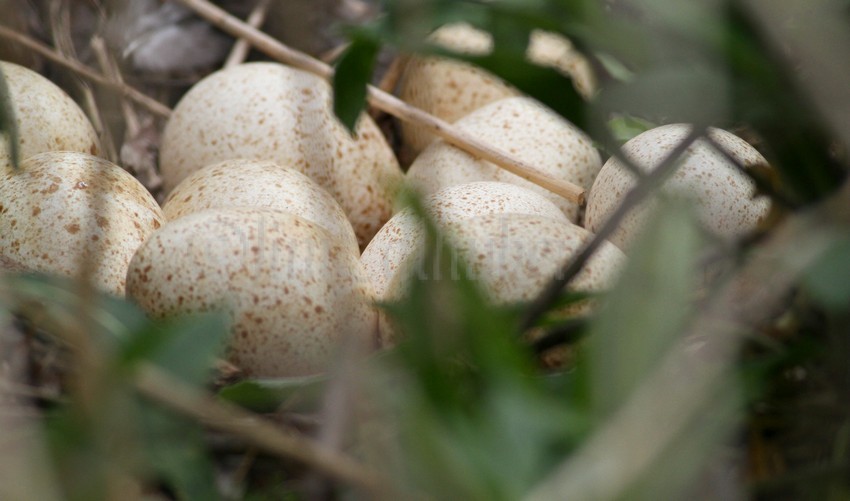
x,y
403,234
725,197
513,257
268,111
293,291
524,128
451,89
64,207
255,183
48,119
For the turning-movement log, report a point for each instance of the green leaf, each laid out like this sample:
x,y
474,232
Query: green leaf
x,y
351,78
690,93
176,452
9,123
184,346
625,127
828,280
647,310
268,395
545,84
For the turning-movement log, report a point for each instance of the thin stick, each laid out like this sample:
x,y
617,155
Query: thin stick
x,y
333,54
386,102
634,197
109,68
152,105
241,48
159,386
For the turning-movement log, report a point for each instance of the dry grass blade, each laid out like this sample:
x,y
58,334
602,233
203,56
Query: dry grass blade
x,y
110,69
266,436
387,102
149,103
241,48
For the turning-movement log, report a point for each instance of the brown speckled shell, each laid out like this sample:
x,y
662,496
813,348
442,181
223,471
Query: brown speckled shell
x,y
401,236
267,111
513,257
524,128
64,206
48,119
724,197
452,89
262,184
292,290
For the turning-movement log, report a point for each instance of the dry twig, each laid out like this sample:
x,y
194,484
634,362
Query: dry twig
x,y
150,104
387,102
645,187
159,386
241,48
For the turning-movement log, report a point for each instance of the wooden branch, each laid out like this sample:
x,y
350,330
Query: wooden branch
x,y
149,103
241,48
159,386
386,102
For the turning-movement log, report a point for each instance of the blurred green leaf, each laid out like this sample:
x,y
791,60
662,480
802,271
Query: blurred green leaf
x,y
351,77
625,127
9,123
185,346
176,452
475,421
828,280
268,395
647,310
687,93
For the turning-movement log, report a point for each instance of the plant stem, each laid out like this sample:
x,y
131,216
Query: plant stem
x,y
149,103
387,102
573,266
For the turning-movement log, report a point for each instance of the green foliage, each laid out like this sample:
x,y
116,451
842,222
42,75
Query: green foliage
x,y
352,75
108,431
828,281
646,313
474,420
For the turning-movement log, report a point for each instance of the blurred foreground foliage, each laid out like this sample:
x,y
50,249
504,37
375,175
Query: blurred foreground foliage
x,y
677,385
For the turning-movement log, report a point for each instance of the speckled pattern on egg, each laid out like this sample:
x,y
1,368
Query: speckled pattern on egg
x,y
255,183
724,197
513,257
65,206
451,89
48,119
292,290
524,128
267,111
400,238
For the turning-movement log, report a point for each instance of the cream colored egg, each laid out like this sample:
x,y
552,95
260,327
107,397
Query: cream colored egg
x,y
725,197
452,89
403,234
292,290
65,207
268,111
48,119
513,257
524,128
262,184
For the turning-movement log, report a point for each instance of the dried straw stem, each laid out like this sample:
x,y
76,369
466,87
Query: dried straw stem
x,y
386,102
147,102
